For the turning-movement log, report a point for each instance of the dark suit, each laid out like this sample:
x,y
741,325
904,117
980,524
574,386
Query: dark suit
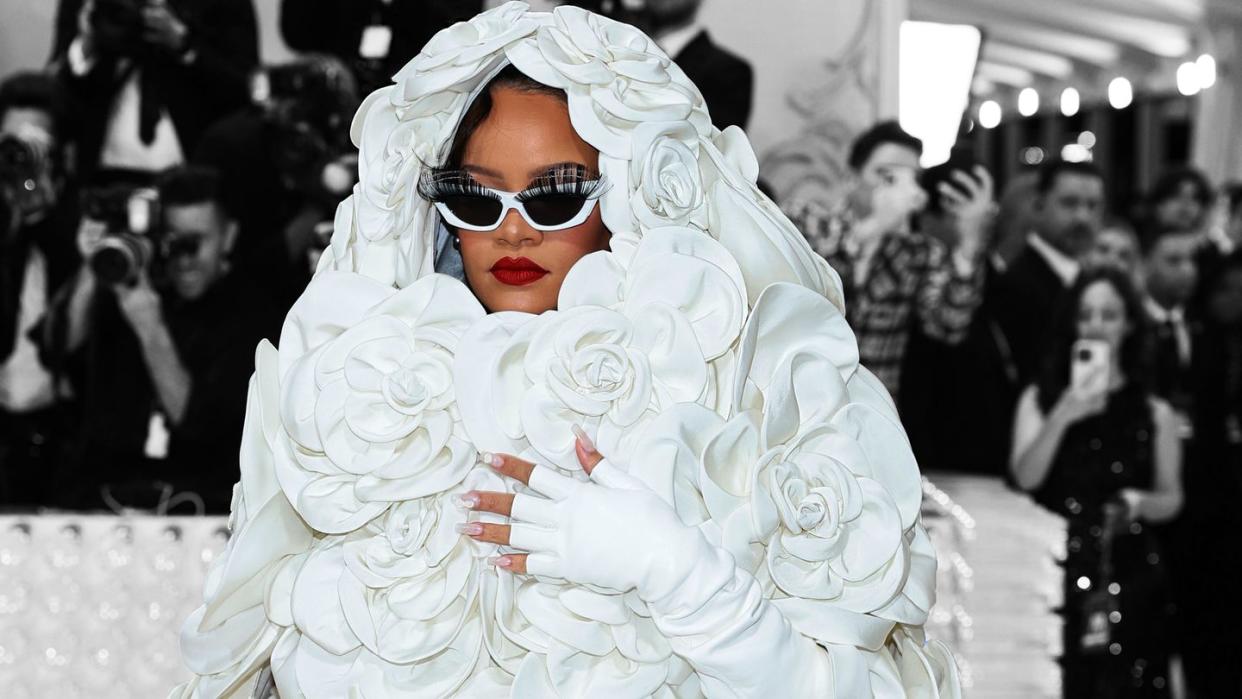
x,y
726,80
974,377
336,27
1023,302
224,40
1200,543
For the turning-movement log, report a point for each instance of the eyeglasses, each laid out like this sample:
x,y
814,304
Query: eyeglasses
x,y
181,246
477,212
549,205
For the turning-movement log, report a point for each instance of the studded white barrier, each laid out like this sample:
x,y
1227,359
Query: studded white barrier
x,y
91,606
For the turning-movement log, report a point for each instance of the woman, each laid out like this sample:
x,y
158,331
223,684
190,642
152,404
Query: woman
x,y
1104,453
423,508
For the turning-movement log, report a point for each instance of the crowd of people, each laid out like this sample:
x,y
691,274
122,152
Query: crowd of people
x,y
1091,357
160,206
164,198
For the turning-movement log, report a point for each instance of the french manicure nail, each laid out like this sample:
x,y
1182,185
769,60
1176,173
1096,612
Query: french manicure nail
x,y
469,528
500,561
491,459
581,434
469,501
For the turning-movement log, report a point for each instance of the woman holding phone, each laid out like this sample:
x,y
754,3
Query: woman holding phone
x,y
1092,444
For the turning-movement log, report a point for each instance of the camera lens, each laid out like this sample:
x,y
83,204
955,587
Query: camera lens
x,y
112,265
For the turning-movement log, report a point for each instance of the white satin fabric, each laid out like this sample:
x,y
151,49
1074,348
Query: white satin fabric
x,y
706,354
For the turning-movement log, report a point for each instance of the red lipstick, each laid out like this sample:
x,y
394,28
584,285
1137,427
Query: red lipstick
x,y
517,271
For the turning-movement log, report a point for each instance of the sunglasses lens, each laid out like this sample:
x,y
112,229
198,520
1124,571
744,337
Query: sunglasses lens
x,y
475,210
554,210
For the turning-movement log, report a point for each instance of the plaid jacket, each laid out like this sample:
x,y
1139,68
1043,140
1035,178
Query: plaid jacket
x,y
910,278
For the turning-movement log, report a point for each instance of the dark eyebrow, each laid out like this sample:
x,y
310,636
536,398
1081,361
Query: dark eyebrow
x,y
557,168
479,170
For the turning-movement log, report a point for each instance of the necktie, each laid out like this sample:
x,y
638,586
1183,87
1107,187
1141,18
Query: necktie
x,y
149,111
1169,365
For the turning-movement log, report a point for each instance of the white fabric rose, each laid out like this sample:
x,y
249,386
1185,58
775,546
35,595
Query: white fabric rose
x,y
665,167
368,397
460,52
816,482
526,380
616,78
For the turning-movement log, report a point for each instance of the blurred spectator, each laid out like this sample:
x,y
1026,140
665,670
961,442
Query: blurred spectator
x,y
1068,212
892,276
150,76
1233,217
1098,448
375,38
725,79
1170,277
161,370
285,163
1180,200
1212,651
1015,216
1117,246
36,252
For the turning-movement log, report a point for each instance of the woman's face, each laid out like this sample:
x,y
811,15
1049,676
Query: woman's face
x,y
1183,211
516,267
1102,315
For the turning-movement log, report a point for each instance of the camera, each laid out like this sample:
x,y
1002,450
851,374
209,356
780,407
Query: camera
x,y
25,166
307,104
20,163
128,216
117,24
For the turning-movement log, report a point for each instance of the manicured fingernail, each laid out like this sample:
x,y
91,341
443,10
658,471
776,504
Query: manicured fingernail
x,y
469,528
469,501
491,459
500,561
586,442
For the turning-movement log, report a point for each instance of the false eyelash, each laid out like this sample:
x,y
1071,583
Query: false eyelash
x,y
544,186
438,185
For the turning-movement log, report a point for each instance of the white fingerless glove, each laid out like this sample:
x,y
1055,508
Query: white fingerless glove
x,y
616,533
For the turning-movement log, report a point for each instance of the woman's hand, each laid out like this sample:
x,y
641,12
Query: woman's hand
x,y
611,532
1077,404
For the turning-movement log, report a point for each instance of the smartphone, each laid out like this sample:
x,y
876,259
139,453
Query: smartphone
x,y
1089,366
961,159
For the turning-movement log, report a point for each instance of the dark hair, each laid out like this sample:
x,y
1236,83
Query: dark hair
x,y
1052,169
35,90
1170,184
192,184
1055,376
478,111
878,135
1151,236
1234,191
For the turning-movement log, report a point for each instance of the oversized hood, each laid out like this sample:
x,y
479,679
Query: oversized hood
x,y
666,163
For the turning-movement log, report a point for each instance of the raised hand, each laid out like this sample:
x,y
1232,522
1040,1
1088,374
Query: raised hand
x,y
611,532
972,205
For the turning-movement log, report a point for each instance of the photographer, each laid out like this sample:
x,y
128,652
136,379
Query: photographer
x,y
36,252
286,162
374,38
151,75
162,367
899,279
